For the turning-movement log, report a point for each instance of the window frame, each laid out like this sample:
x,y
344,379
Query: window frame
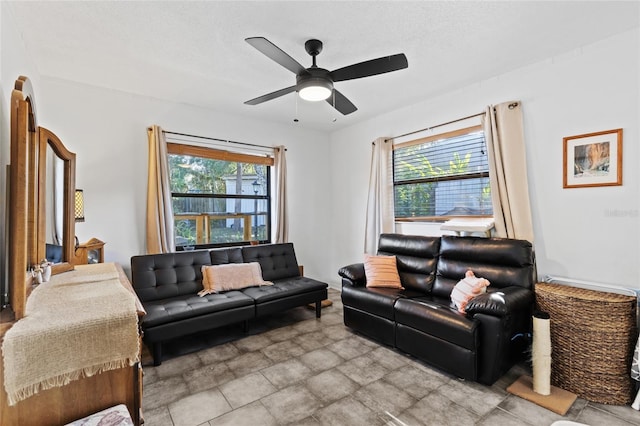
x,y
456,177
217,154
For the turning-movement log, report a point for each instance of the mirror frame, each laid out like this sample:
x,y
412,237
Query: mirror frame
x,y
48,138
27,212
23,141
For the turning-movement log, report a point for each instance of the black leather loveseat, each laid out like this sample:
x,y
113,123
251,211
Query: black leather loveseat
x,y
167,285
420,320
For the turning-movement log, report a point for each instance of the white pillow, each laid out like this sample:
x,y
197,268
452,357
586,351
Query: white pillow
x,y
231,276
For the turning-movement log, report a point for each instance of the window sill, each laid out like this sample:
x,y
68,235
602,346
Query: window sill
x,y
464,225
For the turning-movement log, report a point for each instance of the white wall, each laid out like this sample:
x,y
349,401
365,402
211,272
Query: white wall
x,y
107,131
586,233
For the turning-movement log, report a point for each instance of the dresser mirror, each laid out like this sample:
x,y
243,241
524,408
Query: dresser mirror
x,y
30,191
56,227
54,198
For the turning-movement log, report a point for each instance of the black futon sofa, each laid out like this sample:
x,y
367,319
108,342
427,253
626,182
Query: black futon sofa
x,y
421,320
167,285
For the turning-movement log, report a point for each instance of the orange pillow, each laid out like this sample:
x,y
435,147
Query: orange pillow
x,y
382,271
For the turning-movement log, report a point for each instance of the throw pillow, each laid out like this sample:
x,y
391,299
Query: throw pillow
x,y
231,276
466,289
382,271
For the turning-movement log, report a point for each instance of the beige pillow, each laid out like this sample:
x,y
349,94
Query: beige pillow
x,y
231,276
382,271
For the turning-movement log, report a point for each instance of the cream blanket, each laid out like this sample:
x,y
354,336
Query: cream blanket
x,y
73,328
86,274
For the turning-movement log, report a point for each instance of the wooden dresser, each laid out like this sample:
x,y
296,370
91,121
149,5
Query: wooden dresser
x,y
81,397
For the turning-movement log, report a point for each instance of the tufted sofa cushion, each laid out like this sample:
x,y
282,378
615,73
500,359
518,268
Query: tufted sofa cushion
x,y
226,255
168,275
277,261
284,288
182,307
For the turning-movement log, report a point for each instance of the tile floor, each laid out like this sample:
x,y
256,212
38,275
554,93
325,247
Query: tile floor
x,y
292,369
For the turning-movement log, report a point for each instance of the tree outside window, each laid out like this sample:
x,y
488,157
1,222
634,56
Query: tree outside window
x,y
442,177
218,201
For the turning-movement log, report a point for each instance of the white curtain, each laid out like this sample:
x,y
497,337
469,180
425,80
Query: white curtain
x,y
380,201
160,234
508,171
282,219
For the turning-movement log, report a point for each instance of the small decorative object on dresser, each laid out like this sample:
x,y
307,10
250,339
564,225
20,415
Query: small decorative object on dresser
x,y
90,252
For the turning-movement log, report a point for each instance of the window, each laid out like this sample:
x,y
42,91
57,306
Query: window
x,y
442,176
219,198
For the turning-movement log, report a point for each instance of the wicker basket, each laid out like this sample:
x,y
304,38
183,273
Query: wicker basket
x,y
593,335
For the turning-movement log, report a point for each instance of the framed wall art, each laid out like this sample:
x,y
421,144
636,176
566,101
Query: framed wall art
x,y
593,159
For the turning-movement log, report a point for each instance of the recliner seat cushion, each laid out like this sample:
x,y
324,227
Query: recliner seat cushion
x,y
439,320
375,300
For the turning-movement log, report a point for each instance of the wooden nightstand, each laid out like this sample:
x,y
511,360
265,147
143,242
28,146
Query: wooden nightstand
x,y
90,252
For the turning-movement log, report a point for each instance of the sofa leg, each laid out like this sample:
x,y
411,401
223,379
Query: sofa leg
x,y
157,353
318,309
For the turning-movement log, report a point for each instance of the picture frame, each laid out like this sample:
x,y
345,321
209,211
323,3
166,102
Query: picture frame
x,y
592,159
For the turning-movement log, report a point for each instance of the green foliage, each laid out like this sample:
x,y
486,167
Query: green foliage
x,y
230,235
186,229
207,176
419,199
485,197
457,166
203,175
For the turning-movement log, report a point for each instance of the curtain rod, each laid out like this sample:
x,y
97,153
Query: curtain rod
x,y
437,125
219,140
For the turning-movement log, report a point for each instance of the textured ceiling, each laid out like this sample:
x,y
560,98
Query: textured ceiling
x,y
195,53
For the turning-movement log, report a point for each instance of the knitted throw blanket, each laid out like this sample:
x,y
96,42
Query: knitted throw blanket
x,y
78,324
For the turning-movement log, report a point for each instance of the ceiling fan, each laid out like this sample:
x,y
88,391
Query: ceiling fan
x,y
315,83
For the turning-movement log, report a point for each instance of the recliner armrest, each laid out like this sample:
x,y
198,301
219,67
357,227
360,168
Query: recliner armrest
x,y
354,273
502,302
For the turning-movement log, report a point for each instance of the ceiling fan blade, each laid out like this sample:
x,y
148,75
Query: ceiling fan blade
x,y
270,96
369,68
276,54
341,103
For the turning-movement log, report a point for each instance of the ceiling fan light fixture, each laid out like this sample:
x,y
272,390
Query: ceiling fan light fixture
x,y
315,89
